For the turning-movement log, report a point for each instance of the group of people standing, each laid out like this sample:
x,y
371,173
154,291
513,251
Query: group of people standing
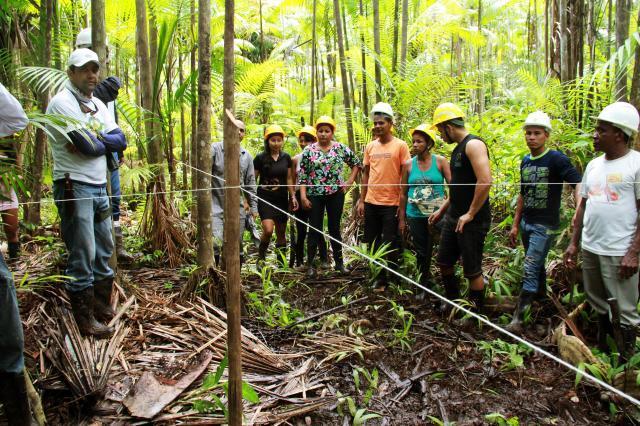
x,y
424,196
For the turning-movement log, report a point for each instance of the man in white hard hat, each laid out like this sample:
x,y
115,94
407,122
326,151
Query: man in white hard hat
x,y
13,392
107,91
607,222
80,190
537,216
379,203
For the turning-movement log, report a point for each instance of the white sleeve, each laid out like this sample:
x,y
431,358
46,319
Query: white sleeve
x,y
12,116
584,190
109,122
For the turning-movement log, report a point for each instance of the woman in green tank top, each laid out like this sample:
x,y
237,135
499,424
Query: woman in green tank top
x,y
423,196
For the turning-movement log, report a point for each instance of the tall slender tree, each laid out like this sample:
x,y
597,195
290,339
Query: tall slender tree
x,y
205,231
623,16
376,48
32,212
232,222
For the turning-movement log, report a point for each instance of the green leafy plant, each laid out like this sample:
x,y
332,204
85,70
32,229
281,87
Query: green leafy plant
x,y
213,382
501,420
401,327
371,379
359,415
507,356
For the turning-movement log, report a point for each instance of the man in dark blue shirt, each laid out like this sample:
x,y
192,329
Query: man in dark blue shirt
x,y
537,217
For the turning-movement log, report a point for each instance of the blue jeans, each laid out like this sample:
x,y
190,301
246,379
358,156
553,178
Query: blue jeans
x,y
11,337
116,192
85,225
537,240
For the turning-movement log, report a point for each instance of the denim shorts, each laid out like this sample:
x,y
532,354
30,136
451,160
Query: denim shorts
x,y
468,244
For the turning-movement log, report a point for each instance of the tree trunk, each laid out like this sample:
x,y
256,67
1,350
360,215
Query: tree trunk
x,y
403,43
314,40
171,162
623,13
363,58
479,64
142,43
232,223
396,17
32,213
99,34
194,115
564,41
205,232
635,81
376,48
184,158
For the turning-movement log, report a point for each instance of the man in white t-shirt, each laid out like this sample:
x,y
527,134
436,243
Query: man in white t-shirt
x,y
80,190
607,221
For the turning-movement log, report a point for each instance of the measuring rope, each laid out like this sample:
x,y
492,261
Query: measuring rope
x,y
450,302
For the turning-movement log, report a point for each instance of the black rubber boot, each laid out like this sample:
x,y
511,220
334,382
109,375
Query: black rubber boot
x,y
121,252
425,276
629,334
524,302
14,250
311,272
451,285
262,250
82,304
102,292
605,328
476,297
13,395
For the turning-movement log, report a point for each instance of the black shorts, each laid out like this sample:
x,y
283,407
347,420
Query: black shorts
x,y
267,212
469,245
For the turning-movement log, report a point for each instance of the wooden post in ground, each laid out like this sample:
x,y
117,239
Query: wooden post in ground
x,y
231,247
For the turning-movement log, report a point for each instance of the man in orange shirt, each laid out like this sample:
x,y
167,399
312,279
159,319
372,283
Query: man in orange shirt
x,y
379,203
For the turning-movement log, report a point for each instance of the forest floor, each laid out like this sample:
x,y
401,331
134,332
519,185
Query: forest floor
x,y
383,358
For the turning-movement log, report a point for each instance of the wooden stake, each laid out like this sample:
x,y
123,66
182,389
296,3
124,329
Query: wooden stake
x,y
231,248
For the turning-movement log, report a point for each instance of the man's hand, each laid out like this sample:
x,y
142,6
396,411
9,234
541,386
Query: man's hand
x,y
402,225
71,148
513,235
346,186
462,221
628,265
306,204
360,208
570,256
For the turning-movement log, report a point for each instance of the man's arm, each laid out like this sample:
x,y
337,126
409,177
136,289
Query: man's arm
x,y
517,217
363,190
12,116
97,145
476,150
572,250
250,186
629,263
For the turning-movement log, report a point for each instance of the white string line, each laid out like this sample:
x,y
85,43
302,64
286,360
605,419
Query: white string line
x,y
177,191
455,305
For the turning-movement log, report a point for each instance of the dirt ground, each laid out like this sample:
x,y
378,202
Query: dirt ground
x,y
441,377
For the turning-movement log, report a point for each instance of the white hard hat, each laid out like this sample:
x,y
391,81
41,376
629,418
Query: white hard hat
x,y
80,57
382,108
622,115
538,119
84,38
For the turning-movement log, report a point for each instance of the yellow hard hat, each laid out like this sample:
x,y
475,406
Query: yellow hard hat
x,y
273,129
446,112
325,119
427,129
309,130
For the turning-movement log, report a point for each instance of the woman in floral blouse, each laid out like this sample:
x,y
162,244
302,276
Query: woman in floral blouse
x,y
322,187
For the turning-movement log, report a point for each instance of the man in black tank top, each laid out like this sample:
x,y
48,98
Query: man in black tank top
x,y
468,213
